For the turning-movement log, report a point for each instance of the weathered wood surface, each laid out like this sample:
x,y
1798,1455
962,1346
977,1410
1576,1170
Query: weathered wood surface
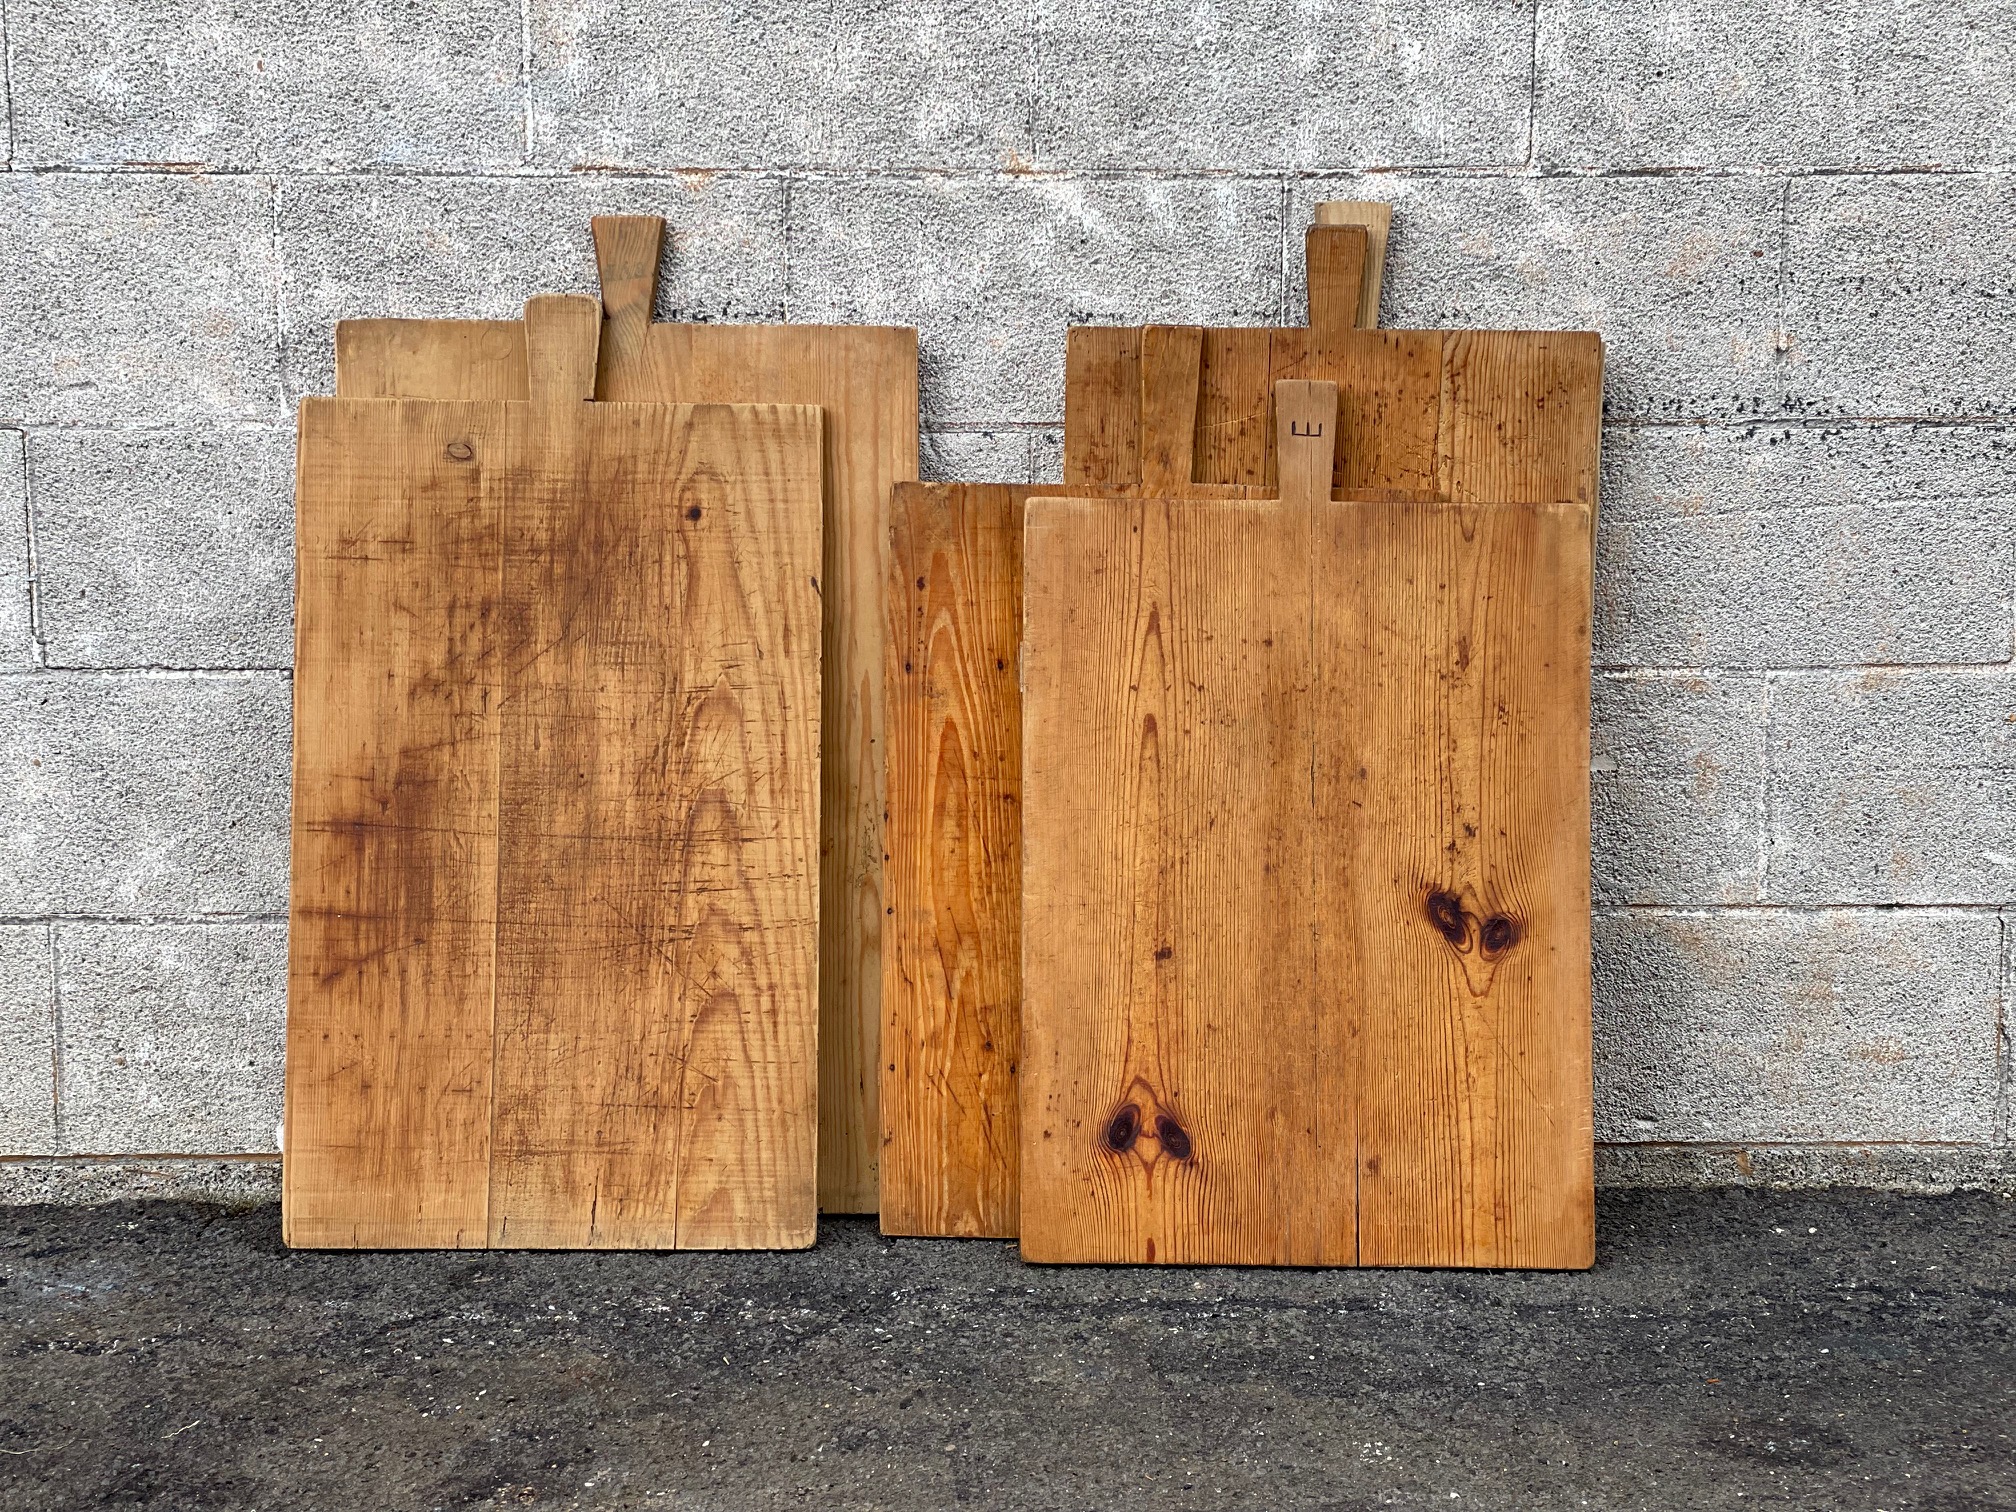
x,y
1305,879
865,379
553,974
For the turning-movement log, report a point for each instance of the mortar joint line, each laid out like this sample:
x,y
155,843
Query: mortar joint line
x,y
525,79
38,646
1765,815
1532,87
2004,1066
57,1133
7,87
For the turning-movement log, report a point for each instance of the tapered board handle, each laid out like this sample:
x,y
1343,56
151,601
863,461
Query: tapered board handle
x,y
1305,439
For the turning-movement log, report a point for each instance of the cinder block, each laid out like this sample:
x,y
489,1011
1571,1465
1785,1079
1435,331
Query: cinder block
x,y
1896,295
139,796
1659,473
1676,781
1893,787
17,609
172,1037
992,271
1930,1169
136,296
975,456
1310,86
1849,1025
841,84
73,1181
1046,455
1680,275
1766,83
165,548
27,1041
267,84
479,248
1803,547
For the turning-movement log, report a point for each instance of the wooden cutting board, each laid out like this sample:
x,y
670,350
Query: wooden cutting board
x,y
865,379
1477,416
555,908
952,942
1306,876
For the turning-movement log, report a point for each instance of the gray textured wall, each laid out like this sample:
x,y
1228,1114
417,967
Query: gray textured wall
x,y
1792,221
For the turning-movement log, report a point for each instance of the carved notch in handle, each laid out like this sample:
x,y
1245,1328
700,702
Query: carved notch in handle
x,y
1305,439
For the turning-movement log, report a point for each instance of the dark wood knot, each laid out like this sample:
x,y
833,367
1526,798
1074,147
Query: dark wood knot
x,y
1123,1129
1172,1136
692,511
1500,934
1445,912
461,451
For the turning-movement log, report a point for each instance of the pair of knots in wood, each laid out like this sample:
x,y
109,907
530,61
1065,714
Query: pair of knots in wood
x,y
1491,935
1131,1130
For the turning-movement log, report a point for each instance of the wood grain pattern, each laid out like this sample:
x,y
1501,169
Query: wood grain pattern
x,y
397,685
1305,880
555,916
1477,415
1376,216
1335,259
865,379
951,992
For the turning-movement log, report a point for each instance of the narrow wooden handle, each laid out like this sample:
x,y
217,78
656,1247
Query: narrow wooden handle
x,y
1305,439
627,250
1336,261
1172,373
1376,216
563,333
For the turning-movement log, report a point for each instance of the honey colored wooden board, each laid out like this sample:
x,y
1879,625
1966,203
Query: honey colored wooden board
x,y
553,972
865,379
951,990
1473,416
1305,880
1470,416
951,959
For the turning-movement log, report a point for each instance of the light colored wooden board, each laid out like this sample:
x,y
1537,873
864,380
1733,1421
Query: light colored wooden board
x,y
1254,801
1335,259
865,379
951,992
554,959
431,359
397,684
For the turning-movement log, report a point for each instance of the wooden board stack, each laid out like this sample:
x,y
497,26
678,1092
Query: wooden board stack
x,y
1270,723
1374,1114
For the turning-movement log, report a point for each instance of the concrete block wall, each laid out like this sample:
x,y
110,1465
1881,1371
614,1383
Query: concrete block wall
x,y
1791,219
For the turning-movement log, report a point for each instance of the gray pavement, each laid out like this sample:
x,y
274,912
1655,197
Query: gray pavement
x,y
1736,1348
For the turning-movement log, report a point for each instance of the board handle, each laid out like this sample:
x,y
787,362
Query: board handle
x,y
1172,373
1376,216
1336,258
627,252
563,332
1305,439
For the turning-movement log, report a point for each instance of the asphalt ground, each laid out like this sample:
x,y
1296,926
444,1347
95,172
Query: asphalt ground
x,y
1735,1348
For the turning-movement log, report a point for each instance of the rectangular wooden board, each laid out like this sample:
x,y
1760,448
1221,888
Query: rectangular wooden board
x,y
951,991
865,379
1469,416
1306,883
553,944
